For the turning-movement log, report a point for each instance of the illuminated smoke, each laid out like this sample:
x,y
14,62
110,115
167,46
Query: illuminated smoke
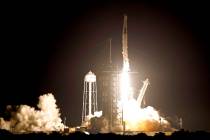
x,y
28,119
136,118
143,119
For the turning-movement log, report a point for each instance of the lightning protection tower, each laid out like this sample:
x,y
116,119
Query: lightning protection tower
x,y
89,97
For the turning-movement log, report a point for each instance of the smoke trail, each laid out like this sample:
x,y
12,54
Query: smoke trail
x,y
28,119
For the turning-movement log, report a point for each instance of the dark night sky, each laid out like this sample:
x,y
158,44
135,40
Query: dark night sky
x,y
51,48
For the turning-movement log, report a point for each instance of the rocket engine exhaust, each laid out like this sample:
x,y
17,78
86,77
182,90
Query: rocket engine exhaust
x,y
136,118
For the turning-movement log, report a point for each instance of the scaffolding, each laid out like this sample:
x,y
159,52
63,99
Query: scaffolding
x,y
109,92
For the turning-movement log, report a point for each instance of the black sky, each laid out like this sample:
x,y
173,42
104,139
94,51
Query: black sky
x,y
51,48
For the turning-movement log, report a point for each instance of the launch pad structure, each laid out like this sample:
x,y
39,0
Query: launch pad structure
x,y
109,91
109,88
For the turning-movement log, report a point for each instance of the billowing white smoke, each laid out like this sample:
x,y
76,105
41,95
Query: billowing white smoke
x,y
28,119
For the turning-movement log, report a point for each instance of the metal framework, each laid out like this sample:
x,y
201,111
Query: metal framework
x,y
109,95
89,97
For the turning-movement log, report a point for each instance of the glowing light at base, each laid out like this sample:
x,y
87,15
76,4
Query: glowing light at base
x,y
143,119
136,118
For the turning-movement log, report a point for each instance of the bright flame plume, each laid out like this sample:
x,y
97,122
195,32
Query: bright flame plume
x,y
137,118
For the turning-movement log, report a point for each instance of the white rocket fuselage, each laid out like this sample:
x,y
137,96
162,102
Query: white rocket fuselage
x,y
125,45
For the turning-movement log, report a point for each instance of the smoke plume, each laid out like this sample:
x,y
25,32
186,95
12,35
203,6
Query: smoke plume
x,y
144,119
28,119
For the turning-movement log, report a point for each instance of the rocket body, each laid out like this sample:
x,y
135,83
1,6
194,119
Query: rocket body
x,y
126,66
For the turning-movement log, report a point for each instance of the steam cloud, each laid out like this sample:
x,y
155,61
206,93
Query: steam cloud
x,y
145,119
28,119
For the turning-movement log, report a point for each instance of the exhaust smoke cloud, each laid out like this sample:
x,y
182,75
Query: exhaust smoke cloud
x,y
28,119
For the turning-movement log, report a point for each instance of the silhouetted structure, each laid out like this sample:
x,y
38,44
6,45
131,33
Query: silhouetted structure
x,y
109,90
179,135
